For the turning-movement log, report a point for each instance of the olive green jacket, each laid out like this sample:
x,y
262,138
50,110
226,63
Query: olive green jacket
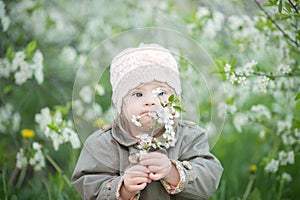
x,y
104,158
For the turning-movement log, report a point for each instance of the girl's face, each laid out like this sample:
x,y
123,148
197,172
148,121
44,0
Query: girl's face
x,y
140,101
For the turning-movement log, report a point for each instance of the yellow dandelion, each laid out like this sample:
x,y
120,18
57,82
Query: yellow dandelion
x,y
27,133
98,123
252,169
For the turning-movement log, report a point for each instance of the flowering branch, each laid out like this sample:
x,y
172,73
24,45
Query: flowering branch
x,y
277,26
165,113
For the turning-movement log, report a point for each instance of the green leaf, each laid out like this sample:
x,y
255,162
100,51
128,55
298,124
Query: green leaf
x,y
7,89
268,4
295,123
280,6
271,77
255,195
297,96
179,108
30,49
171,98
287,7
10,53
230,101
34,8
63,109
52,127
233,61
284,16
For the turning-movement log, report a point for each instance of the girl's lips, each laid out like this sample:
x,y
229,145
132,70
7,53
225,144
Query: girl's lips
x,y
146,113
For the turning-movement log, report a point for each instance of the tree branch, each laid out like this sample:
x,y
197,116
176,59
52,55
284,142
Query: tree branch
x,y
277,26
294,6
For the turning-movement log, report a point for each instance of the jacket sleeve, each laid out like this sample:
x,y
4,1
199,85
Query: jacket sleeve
x,y
96,174
202,169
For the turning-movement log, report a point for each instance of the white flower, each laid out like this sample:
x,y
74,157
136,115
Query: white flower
x,y
272,166
78,107
218,19
38,159
62,133
232,78
157,91
5,21
283,126
16,120
248,67
202,12
286,157
260,112
239,121
68,54
284,69
163,115
57,117
39,76
286,177
227,68
72,137
36,146
231,108
242,80
100,90
21,159
23,74
262,134
136,120
288,139
235,22
262,83
86,94
38,66
9,118
18,59
44,118
4,68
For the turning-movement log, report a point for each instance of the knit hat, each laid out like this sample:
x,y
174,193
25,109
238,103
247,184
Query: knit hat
x,y
143,64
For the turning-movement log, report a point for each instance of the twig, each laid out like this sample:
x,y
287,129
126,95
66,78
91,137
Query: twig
x,y
293,5
58,169
277,26
249,187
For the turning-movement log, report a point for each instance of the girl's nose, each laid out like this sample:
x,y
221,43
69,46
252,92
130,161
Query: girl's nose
x,y
150,101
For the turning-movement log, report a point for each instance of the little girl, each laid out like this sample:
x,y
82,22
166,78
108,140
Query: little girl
x,y
147,153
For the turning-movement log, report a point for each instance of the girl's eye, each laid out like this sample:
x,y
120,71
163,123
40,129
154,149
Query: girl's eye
x,y
138,94
161,93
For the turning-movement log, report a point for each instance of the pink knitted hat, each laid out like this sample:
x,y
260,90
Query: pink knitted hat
x,y
143,64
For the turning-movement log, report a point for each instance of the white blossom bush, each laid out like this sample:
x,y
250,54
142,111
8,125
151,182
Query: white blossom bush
x,y
256,50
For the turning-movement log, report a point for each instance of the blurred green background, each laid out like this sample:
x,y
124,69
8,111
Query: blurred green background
x,y
255,47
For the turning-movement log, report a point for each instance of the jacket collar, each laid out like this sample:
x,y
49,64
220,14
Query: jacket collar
x,y
122,136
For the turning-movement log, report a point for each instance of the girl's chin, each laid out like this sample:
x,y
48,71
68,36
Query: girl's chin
x,y
147,121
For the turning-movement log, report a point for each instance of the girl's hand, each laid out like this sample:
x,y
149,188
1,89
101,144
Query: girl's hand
x,y
135,179
159,165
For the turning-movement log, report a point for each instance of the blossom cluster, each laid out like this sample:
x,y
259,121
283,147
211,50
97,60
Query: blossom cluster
x,y
284,158
84,107
166,113
34,157
9,119
22,67
213,21
53,126
5,21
